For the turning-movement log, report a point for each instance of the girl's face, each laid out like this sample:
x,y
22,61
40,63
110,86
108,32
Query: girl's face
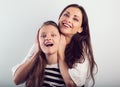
x,y
70,21
49,38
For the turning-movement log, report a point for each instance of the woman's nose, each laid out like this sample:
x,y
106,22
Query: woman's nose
x,y
69,19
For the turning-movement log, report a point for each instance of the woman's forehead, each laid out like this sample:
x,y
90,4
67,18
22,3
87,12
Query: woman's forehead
x,y
73,10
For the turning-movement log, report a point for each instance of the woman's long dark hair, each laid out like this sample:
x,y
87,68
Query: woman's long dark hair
x,y
80,45
36,75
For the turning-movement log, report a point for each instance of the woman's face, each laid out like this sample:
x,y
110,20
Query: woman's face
x,y
70,21
49,38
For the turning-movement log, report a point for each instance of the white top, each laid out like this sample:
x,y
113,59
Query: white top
x,y
79,73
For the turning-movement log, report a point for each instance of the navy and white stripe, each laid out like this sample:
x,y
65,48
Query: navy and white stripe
x,y
53,77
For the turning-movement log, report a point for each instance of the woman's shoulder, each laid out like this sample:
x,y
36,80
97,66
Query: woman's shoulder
x,y
82,64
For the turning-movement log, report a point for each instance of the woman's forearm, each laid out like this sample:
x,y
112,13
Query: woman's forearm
x,y
22,71
64,71
62,64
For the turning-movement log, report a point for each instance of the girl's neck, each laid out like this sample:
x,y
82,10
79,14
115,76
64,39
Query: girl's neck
x,y
51,58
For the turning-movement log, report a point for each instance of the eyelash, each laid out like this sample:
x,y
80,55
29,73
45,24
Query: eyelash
x,y
43,36
76,19
53,35
66,15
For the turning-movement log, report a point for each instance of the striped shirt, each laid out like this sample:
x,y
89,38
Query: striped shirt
x,y
53,77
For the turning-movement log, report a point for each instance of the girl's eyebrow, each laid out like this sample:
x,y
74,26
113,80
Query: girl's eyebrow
x,y
42,32
54,32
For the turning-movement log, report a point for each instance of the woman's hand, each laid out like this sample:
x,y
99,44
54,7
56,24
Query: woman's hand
x,y
37,45
62,47
62,64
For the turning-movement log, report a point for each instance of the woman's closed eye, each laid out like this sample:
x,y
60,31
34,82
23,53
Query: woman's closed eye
x,y
76,19
66,15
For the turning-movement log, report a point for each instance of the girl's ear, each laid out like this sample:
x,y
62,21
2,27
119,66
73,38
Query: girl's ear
x,y
80,30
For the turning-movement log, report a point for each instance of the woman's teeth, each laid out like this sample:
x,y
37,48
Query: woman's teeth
x,y
66,25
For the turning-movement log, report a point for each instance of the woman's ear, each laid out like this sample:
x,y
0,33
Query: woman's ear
x,y
80,30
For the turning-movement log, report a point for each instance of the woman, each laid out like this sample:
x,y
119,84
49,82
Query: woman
x,y
76,60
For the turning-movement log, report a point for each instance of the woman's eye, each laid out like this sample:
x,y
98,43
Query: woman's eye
x,y
66,15
76,19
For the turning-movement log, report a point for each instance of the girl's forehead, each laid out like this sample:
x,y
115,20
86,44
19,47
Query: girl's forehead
x,y
48,28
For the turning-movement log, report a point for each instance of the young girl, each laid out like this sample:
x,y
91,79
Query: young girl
x,y
43,66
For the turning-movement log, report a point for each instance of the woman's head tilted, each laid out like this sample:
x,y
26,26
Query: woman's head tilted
x,y
73,23
73,19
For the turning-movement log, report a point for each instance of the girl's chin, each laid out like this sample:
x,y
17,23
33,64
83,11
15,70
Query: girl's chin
x,y
49,53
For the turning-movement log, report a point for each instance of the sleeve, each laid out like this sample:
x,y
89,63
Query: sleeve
x,y
30,53
79,73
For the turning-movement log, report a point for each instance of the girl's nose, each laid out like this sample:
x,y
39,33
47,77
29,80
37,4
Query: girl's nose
x,y
48,38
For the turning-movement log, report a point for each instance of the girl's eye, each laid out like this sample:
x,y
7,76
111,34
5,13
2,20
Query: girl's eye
x,y
43,36
53,35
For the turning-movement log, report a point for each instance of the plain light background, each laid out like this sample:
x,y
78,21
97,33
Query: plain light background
x,y
20,19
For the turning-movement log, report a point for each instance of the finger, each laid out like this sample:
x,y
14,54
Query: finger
x,y
37,40
37,36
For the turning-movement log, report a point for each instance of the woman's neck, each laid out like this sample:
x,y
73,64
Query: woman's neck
x,y
68,39
52,58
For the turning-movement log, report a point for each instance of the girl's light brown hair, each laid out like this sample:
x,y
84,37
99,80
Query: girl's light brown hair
x,y
35,77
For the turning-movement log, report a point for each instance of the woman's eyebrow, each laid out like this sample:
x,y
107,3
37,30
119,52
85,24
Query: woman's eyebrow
x,y
74,15
67,12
